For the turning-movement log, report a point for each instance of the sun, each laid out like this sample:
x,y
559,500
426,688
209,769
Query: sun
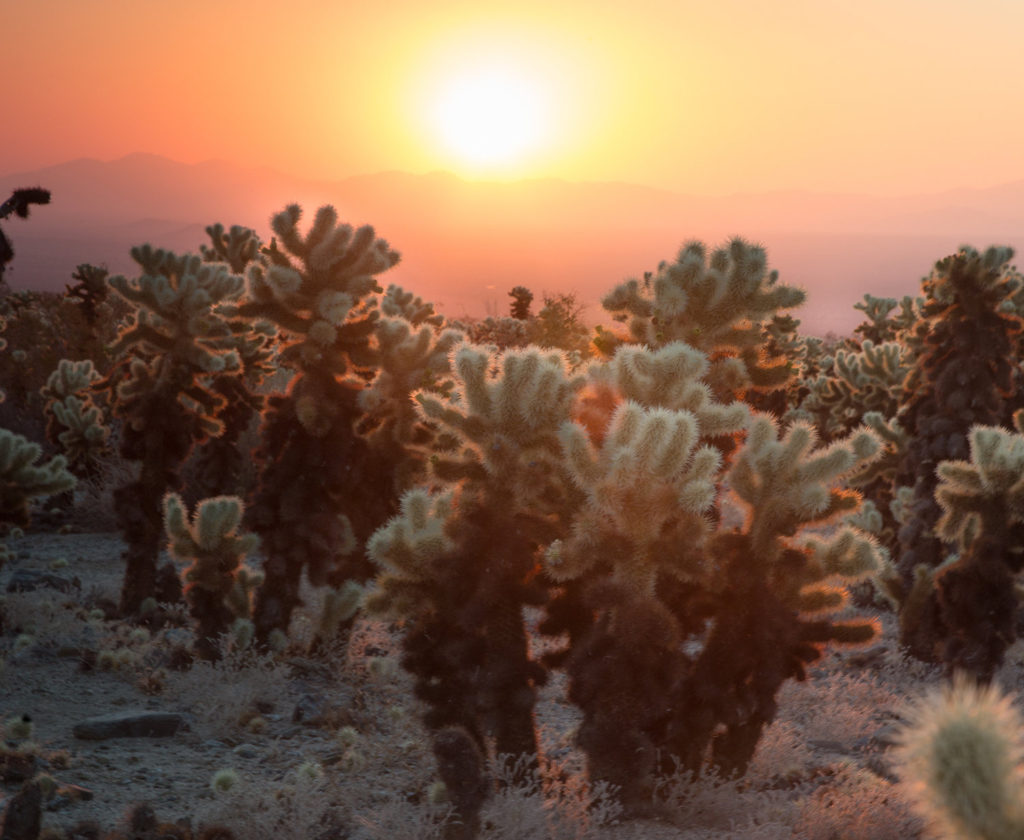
x,y
490,117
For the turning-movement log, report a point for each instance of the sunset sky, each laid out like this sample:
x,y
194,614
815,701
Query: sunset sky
x,y
878,96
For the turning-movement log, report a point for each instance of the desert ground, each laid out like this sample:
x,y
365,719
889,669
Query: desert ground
x,y
331,746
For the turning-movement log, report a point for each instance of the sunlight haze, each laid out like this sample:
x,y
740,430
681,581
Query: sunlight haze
x,y
876,97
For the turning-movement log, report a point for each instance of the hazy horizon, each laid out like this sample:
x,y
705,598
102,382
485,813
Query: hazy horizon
x,y
465,242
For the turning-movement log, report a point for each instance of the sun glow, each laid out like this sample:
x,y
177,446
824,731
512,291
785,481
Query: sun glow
x,y
491,117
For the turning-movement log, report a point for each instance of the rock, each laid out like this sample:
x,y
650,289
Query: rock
x,y
24,814
131,725
29,580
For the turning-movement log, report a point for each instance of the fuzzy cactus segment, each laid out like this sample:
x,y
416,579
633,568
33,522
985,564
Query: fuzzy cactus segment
x,y
505,412
412,359
75,422
209,540
786,483
859,381
717,303
651,485
22,478
961,760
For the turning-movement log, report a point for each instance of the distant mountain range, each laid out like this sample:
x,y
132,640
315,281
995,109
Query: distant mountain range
x,y
464,244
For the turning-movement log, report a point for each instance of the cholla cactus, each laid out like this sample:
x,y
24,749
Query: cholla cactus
x,y
961,761
75,422
320,482
237,247
22,479
459,566
411,359
717,304
216,576
982,502
649,489
858,381
398,303
774,593
505,412
646,565
167,349
966,374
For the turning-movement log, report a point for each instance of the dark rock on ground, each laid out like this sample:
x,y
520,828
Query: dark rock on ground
x,y
131,725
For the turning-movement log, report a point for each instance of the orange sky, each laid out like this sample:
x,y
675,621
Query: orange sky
x,y
881,96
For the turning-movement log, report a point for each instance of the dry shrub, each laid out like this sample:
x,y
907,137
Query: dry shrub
x,y
49,617
223,694
94,509
856,805
838,707
712,807
296,810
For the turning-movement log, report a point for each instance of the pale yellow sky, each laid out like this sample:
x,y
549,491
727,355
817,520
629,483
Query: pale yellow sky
x,y
720,97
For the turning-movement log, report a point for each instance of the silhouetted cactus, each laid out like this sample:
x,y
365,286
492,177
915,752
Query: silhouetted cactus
x,y
90,289
19,203
964,375
322,490
218,586
521,300
168,348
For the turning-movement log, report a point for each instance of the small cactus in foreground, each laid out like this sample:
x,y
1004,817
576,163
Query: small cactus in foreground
x,y
961,760
217,584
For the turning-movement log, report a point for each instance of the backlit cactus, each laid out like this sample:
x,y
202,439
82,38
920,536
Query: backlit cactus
x,y
22,478
858,381
217,584
411,359
459,566
982,502
321,482
965,374
168,348
75,422
717,303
